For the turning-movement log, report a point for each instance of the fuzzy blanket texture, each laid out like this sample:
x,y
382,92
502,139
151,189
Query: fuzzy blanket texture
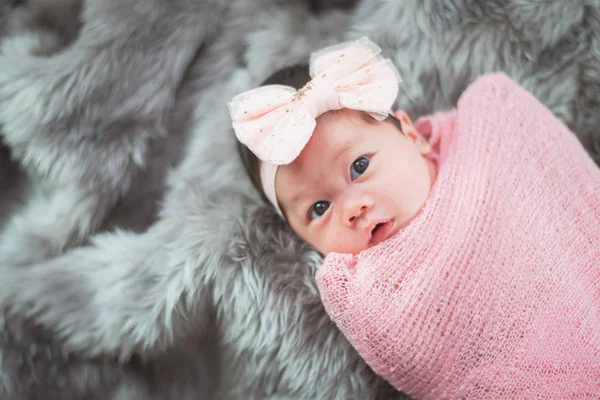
x,y
137,261
493,290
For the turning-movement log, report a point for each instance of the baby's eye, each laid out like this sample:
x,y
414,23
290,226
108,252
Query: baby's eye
x,y
358,167
318,209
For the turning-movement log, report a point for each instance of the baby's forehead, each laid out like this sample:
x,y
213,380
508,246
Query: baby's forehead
x,y
345,117
336,128
335,133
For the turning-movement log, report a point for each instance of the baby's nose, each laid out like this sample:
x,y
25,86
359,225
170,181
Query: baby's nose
x,y
355,213
355,206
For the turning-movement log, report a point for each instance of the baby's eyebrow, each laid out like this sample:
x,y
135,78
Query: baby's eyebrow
x,y
348,144
295,198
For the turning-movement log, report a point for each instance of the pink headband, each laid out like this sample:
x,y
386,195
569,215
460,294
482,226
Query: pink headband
x,y
275,121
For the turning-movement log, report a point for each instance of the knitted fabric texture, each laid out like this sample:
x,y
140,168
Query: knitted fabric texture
x,y
493,290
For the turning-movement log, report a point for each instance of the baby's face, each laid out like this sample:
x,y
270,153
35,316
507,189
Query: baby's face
x,y
356,183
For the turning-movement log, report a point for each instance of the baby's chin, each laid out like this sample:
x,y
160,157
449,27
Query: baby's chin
x,y
353,250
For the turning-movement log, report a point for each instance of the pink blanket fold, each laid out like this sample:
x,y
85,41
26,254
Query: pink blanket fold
x,y
493,290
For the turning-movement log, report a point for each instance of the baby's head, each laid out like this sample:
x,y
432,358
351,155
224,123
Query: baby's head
x,y
357,181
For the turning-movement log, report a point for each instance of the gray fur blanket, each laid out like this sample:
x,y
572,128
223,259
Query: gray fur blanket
x,y
136,260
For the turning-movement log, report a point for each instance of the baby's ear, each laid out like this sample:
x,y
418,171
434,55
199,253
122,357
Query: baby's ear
x,y
411,132
404,119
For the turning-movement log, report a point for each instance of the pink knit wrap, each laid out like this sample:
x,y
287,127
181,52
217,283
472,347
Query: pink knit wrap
x,y
493,290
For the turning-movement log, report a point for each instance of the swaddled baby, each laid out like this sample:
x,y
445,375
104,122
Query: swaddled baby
x,y
462,251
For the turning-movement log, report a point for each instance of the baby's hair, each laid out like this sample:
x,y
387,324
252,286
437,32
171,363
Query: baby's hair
x,y
295,76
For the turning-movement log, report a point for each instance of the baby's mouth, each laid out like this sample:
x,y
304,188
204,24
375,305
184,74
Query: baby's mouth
x,y
381,232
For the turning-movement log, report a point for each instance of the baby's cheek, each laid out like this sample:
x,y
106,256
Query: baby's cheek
x,y
339,241
335,239
332,240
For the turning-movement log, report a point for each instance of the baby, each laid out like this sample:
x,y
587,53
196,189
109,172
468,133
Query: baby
x,y
462,251
355,180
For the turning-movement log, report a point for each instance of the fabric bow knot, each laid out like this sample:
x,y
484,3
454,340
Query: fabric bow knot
x,y
276,121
